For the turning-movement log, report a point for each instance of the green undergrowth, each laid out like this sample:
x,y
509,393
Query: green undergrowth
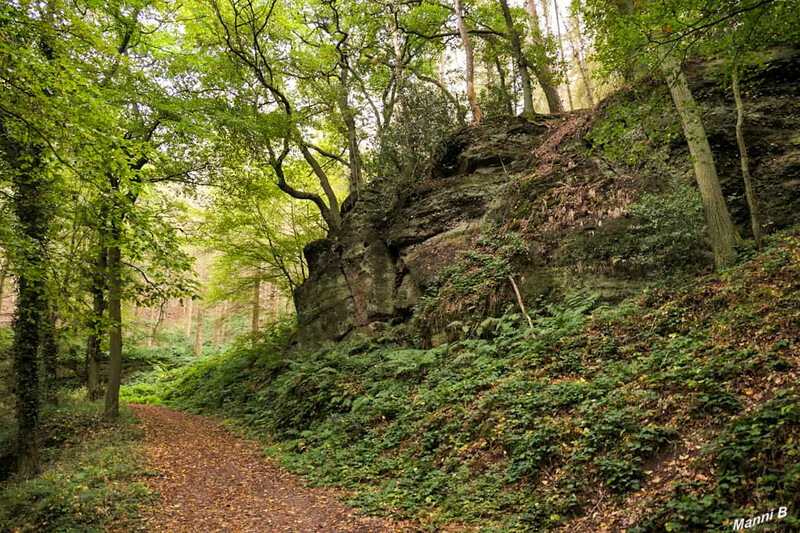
x,y
513,429
91,479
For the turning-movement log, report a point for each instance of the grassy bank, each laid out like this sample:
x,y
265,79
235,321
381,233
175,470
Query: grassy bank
x,y
676,410
92,474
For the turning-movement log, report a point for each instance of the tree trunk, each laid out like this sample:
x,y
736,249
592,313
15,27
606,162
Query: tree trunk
x,y
115,317
273,302
752,204
29,203
398,65
443,63
582,68
721,230
151,339
544,71
546,13
563,56
226,329
330,212
50,356
3,273
188,317
27,322
634,69
93,342
255,319
514,91
477,114
503,87
348,116
198,333
219,322
522,64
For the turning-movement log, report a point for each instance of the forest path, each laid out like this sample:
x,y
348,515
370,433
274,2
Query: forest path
x,y
211,481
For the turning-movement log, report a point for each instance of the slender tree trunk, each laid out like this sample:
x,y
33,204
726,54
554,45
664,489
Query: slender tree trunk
x,y
582,68
188,316
503,88
151,339
93,342
156,317
50,356
3,273
255,319
546,13
331,213
348,116
544,71
477,114
752,204
563,56
398,64
721,229
115,317
219,323
226,325
273,302
519,57
514,91
443,63
198,333
30,208
488,67
634,69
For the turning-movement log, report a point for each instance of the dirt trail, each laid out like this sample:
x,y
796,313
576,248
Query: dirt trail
x,y
211,481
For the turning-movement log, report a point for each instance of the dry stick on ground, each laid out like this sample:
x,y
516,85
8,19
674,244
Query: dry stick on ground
x,y
522,305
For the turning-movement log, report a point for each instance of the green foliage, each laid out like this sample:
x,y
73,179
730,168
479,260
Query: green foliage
x,y
663,235
504,430
476,284
636,130
91,480
755,457
664,231
414,140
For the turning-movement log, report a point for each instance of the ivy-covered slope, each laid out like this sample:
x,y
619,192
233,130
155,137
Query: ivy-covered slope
x,y
678,409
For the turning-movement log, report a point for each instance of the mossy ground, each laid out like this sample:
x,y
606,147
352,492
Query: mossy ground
x,y
91,480
678,409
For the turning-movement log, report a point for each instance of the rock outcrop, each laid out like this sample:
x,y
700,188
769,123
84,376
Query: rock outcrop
x,y
381,262
392,247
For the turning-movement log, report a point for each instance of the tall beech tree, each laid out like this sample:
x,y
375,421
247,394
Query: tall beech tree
x,y
29,58
24,160
644,33
720,226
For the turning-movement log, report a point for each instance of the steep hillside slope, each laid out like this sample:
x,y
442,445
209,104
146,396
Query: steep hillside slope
x,y
643,392
676,410
600,200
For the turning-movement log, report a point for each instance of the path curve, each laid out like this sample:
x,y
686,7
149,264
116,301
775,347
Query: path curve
x,y
211,481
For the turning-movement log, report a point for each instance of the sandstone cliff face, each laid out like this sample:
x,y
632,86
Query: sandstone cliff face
x,y
381,263
538,175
